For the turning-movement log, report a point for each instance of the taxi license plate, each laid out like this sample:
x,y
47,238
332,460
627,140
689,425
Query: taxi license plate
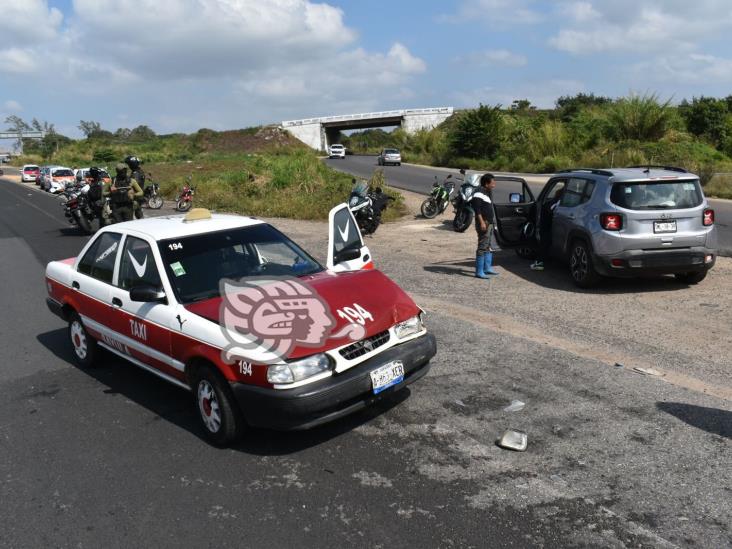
x,y
387,375
664,226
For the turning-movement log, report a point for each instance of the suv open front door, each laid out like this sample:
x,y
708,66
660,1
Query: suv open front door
x,y
515,209
346,250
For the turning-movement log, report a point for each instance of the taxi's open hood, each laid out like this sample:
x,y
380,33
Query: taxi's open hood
x,y
371,290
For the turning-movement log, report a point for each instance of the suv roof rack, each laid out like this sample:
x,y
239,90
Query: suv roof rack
x,y
591,170
669,168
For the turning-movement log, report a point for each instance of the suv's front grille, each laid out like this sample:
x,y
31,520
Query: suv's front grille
x,y
364,346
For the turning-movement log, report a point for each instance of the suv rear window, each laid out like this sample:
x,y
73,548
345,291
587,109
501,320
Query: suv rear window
x,y
63,173
657,195
391,151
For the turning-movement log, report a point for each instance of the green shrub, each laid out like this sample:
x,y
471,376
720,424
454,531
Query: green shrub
x,y
478,132
638,117
719,186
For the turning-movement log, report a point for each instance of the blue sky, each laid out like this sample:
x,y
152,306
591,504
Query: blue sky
x,y
179,65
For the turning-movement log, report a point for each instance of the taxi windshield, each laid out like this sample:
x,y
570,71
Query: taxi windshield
x,y
196,264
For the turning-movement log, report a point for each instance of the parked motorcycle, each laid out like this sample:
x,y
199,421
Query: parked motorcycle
x,y
461,203
184,200
439,198
152,194
367,206
77,207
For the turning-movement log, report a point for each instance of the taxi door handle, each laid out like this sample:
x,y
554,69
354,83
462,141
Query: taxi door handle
x,y
116,302
519,210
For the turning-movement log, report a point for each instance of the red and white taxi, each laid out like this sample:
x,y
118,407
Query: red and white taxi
x,y
59,179
150,291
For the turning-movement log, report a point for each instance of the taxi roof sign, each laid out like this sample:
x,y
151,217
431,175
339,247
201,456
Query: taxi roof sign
x,y
197,214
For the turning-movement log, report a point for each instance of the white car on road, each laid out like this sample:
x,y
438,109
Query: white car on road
x,y
337,151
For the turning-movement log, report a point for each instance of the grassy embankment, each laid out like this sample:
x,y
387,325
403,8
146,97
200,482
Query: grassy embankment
x,y
582,131
257,171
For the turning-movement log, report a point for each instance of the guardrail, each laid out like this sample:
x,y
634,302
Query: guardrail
x,y
367,116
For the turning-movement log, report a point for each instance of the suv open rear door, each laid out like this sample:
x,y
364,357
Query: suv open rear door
x,y
515,208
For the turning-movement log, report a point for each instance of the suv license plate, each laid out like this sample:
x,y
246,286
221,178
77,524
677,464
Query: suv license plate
x,y
387,375
664,226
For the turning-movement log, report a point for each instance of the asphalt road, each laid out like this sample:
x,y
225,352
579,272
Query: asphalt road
x,y
113,456
419,179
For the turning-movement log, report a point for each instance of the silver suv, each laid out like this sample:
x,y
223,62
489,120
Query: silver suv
x,y
620,222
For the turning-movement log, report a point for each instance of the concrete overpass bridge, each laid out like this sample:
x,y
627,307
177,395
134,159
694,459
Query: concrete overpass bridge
x,y
320,133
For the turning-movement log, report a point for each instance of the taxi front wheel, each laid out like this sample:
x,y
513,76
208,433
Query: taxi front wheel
x,y
217,408
85,346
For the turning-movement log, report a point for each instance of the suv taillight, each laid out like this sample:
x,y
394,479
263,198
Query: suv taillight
x,y
708,217
611,221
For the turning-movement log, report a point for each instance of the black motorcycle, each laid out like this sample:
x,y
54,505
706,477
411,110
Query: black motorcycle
x,y
367,206
77,207
152,197
461,203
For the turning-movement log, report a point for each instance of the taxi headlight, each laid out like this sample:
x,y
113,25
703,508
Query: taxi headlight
x,y
298,370
409,327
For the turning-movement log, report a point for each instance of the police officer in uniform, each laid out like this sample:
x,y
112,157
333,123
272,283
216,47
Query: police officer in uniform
x,y
136,173
483,208
98,190
122,195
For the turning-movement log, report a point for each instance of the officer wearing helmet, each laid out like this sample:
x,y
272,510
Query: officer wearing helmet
x,y
98,191
122,195
136,173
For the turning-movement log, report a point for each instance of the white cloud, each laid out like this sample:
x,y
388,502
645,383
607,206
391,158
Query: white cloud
x,y
496,58
640,26
208,38
349,80
686,69
495,12
205,63
15,60
12,105
28,20
580,12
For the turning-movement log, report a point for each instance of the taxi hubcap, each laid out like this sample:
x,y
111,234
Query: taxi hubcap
x,y
78,338
208,406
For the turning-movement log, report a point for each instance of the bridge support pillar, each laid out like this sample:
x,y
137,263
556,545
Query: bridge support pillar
x,y
310,134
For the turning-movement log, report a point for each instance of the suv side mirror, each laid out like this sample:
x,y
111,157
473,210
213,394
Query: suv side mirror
x,y
515,198
147,294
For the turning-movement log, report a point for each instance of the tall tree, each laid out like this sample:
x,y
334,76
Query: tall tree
x,y
17,124
89,128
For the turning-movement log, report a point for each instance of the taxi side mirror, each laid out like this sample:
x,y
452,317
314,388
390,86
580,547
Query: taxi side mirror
x,y
147,294
347,255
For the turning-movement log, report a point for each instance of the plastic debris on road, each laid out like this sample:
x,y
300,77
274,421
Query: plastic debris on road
x,y
618,365
647,371
514,440
515,406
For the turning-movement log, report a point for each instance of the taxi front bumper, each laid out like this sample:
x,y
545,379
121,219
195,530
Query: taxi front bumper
x,y
335,397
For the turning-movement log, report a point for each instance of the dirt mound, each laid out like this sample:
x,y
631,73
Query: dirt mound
x,y
261,139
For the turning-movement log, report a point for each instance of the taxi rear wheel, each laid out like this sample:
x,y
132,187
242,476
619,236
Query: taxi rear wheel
x,y
217,409
84,346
